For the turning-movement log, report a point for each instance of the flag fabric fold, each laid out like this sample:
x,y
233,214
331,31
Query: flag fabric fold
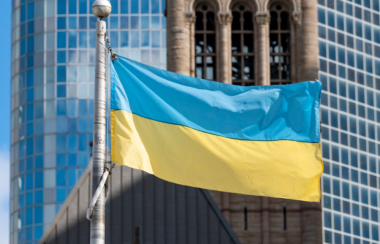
x,y
262,141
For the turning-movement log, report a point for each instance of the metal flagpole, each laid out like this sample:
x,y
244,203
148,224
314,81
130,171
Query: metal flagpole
x,y
101,9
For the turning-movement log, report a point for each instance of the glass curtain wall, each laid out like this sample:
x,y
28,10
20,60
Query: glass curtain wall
x,y
349,43
53,52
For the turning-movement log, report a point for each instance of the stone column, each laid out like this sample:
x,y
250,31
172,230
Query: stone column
x,y
308,61
295,32
224,67
262,42
190,20
265,220
178,40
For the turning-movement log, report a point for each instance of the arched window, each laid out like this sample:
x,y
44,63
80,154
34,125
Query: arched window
x,y
242,57
205,44
279,45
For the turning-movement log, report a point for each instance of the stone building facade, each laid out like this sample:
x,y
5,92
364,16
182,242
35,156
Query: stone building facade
x,y
250,42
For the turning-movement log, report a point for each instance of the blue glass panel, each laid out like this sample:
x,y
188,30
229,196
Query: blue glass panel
x,y
29,163
163,23
61,107
375,232
61,23
135,39
61,124
60,195
115,6
365,229
72,110
61,40
30,95
145,39
22,14
22,30
93,21
155,22
326,185
82,22
61,142
135,7
29,146
30,112
83,6
72,39
73,23
83,39
22,47
364,195
337,222
82,125
30,47
72,125
21,167
374,198
72,143
31,11
61,177
61,159
321,16
61,6
82,159
124,6
21,201
29,234
71,177
30,27
61,57
61,73
114,39
124,40
83,142
331,19
374,215
327,202
92,36
39,144
30,61
135,24
368,32
61,91
368,65
336,187
155,6
114,22
29,181
73,6
328,236
39,179
29,198
124,22
156,39
358,28
72,160
327,219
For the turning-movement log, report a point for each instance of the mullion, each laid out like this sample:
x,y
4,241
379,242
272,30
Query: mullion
x,y
204,46
279,46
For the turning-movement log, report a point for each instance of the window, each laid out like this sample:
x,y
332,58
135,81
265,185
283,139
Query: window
x,y
205,43
242,47
279,45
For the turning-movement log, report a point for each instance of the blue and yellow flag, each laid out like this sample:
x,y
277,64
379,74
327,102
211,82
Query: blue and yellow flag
x,y
262,141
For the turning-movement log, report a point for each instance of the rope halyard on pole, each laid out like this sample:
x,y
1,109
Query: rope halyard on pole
x,y
107,171
113,55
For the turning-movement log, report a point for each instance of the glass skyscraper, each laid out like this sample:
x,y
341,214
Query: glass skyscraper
x,y
53,50
349,42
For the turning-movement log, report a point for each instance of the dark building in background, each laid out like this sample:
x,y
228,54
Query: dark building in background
x,y
142,208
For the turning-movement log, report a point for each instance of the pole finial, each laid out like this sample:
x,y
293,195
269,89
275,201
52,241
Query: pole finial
x,y
101,8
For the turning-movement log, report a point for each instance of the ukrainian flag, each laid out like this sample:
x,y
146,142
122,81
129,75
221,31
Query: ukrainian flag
x,y
262,141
